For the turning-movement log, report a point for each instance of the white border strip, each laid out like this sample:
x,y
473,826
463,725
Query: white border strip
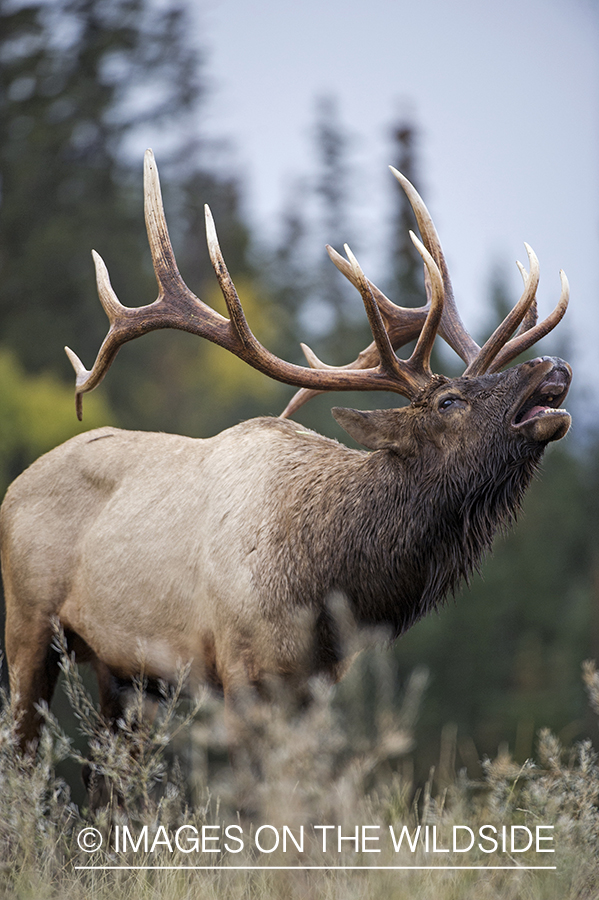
x,y
361,868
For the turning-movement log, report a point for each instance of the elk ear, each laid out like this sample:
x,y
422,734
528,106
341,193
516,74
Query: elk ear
x,y
377,429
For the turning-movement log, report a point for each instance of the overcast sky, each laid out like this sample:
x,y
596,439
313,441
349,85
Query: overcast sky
x,y
505,96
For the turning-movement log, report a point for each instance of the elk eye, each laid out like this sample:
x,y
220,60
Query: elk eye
x,y
448,402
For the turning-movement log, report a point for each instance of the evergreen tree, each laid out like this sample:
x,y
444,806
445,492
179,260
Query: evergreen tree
x,y
336,307
70,74
321,307
78,79
407,283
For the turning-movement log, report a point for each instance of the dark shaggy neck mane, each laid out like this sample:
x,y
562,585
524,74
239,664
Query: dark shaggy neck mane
x,y
404,541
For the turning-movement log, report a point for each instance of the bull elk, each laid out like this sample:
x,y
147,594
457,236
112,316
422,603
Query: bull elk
x,y
154,550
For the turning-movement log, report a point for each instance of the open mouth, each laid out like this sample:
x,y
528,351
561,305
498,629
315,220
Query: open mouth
x,y
546,398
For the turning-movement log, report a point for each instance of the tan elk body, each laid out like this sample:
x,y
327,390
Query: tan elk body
x,y
156,550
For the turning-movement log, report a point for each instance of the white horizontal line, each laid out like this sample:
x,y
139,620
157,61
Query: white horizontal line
x,y
362,868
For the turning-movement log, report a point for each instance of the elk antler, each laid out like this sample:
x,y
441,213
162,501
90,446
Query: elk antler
x,y
497,352
177,307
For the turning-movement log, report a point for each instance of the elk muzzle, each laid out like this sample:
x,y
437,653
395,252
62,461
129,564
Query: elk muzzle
x,y
537,414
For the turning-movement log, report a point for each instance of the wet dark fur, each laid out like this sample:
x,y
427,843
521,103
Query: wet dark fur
x,y
391,538
397,530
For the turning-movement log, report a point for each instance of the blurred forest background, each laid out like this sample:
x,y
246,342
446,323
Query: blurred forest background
x,y
78,77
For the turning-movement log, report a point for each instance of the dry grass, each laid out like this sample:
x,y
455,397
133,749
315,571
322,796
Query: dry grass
x,y
311,774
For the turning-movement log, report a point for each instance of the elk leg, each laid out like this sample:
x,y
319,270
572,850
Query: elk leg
x,y
99,789
33,673
244,709
115,694
110,694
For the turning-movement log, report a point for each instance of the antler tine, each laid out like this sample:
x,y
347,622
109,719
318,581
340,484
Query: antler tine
x,y
87,380
387,357
532,314
226,285
502,333
367,359
416,370
304,394
313,361
421,355
451,328
523,340
403,323
163,256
